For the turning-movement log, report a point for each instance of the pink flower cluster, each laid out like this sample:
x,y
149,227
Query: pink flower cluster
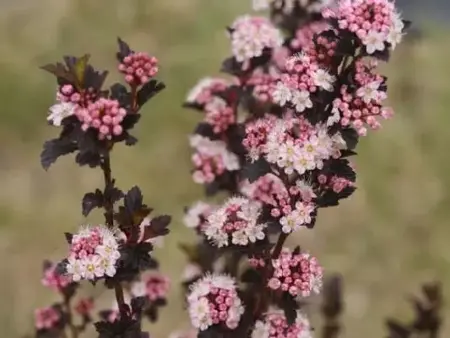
x,y
84,306
213,300
46,318
363,104
263,84
153,285
303,78
94,252
138,68
105,115
196,216
211,159
250,36
54,280
299,274
256,134
275,325
204,90
293,144
219,115
375,22
235,222
67,93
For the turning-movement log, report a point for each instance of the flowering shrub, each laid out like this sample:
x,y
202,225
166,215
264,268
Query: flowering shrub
x,y
277,135
92,120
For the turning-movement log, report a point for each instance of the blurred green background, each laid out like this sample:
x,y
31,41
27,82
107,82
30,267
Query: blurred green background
x,y
390,236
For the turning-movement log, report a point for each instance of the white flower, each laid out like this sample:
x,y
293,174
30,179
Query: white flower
x,y
138,289
93,267
303,162
60,111
199,312
301,100
289,222
75,268
316,284
256,232
323,79
261,330
109,251
239,237
374,41
369,92
223,282
108,266
282,94
303,211
306,191
394,36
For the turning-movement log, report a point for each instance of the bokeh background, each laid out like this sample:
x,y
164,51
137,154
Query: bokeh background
x,y
389,237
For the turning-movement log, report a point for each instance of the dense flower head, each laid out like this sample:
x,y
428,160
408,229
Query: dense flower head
x,y
138,68
235,222
211,159
250,36
104,115
302,79
362,104
297,146
196,215
153,285
213,300
262,84
376,23
219,114
46,318
204,91
55,280
256,133
84,306
94,252
275,325
297,273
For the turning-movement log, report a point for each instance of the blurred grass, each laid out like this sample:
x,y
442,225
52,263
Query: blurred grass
x,y
389,237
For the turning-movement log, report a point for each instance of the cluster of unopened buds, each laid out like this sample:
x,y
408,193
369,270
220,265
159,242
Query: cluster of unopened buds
x,y
138,68
105,115
153,285
375,22
213,300
275,325
94,252
68,93
235,222
211,159
297,273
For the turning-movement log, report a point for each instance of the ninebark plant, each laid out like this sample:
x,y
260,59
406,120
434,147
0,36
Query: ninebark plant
x,y
277,136
92,120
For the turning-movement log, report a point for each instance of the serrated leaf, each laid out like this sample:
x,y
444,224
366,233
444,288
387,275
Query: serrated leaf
x,y
133,199
149,90
90,201
55,148
68,236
